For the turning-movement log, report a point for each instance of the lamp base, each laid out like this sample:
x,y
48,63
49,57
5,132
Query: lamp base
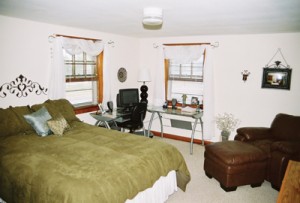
x,y
144,94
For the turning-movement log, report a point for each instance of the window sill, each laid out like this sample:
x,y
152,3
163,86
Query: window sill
x,y
86,109
180,105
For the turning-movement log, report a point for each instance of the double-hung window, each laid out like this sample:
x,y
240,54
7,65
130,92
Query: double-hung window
x,y
184,79
83,78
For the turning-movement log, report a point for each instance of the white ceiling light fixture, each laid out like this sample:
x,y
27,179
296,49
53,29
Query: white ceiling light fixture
x,y
153,16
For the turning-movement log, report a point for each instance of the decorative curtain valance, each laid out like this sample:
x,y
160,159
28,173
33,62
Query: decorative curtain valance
x,y
77,46
57,86
183,54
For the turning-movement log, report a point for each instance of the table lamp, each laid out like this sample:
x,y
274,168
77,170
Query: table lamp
x,y
144,76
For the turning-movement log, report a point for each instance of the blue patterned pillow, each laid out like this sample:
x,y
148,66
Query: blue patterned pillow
x,y
38,120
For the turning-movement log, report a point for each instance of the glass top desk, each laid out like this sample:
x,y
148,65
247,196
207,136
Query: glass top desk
x,y
195,115
109,117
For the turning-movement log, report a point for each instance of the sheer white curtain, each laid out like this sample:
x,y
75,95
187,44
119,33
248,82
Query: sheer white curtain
x,y
159,79
208,100
57,86
106,76
186,54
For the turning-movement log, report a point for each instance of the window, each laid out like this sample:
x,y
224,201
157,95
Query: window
x,y
83,79
185,78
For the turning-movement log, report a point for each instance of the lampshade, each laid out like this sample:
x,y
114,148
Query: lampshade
x,y
152,16
144,75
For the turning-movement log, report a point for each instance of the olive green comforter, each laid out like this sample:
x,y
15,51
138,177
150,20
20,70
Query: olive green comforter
x,y
86,164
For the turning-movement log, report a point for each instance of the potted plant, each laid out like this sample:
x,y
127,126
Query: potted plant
x,y
226,123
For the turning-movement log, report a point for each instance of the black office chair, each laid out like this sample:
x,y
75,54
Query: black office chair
x,y
136,120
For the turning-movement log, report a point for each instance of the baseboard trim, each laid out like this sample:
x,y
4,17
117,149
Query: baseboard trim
x,y
180,138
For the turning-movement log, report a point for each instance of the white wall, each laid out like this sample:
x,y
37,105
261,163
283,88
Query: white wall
x,y
25,50
250,103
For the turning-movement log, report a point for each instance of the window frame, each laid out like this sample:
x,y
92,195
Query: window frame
x,y
166,69
99,75
191,77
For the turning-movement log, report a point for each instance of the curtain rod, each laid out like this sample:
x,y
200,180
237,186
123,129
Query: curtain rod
x,y
186,44
74,37
214,45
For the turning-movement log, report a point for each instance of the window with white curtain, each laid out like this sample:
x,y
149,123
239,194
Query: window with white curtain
x,y
81,79
185,79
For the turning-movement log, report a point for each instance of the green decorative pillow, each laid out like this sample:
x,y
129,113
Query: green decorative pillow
x,y
58,107
58,125
64,107
20,111
9,123
38,120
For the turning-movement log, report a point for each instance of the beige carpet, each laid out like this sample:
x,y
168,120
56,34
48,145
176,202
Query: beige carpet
x,y
203,189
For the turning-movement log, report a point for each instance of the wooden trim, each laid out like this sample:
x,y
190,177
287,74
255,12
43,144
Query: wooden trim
x,y
81,79
187,44
86,109
166,61
204,58
180,138
100,76
75,37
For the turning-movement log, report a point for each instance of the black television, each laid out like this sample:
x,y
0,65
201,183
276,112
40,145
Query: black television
x,y
128,97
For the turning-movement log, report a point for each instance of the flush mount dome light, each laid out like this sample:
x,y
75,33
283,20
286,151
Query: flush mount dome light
x,y
152,16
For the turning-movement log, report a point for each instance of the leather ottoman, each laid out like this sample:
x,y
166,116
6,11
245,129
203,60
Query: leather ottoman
x,y
235,163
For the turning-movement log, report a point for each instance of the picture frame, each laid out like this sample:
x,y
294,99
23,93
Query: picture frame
x,y
277,78
194,100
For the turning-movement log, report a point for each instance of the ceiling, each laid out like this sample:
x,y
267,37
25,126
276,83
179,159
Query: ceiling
x,y
181,17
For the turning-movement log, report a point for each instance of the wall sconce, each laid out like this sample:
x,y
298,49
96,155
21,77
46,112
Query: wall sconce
x,y
245,74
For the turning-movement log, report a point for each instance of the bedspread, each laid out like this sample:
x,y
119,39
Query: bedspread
x,y
86,164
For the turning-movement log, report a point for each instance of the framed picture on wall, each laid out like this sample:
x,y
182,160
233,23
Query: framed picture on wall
x,y
277,78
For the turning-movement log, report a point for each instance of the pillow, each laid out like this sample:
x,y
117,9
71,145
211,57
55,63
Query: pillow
x,y
38,120
65,108
20,111
58,107
58,125
9,123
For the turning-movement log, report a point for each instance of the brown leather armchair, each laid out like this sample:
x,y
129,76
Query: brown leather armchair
x,y
281,142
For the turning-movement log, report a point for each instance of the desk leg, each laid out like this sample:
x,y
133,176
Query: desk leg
x,y
192,136
97,123
150,123
106,125
161,125
201,123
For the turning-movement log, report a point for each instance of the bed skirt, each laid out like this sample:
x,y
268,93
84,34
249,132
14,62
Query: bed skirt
x,y
160,191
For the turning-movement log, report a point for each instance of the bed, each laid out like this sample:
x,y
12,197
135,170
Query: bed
x,y
84,164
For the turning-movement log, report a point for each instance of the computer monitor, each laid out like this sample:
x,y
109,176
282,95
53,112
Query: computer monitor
x,y
128,97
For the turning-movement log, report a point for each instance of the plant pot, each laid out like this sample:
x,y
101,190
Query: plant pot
x,y
225,135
